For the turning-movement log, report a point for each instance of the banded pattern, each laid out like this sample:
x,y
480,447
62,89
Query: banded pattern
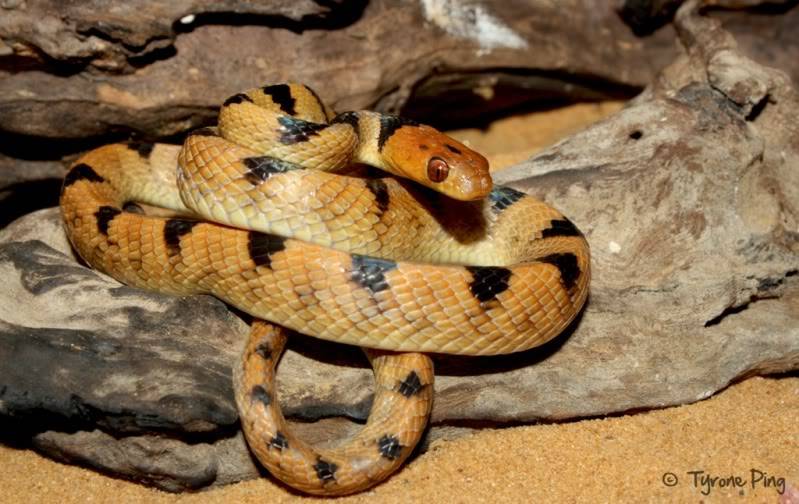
x,y
289,122
371,262
373,454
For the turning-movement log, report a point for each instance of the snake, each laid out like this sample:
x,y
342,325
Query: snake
x,y
362,228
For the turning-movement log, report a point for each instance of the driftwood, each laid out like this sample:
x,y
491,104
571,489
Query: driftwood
x,y
80,74
689,198
158,68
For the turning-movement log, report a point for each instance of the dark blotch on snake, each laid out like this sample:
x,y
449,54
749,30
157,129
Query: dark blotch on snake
x,y
104,215
350,118
488,281
236,99
389,446
568,267
325,471
263,167
279,441
388,125
281,95
144,149
503,197
369,272
561,227
264,350
261,246
411,385
293,130
453,149
81,171
258,393
173,230
380,191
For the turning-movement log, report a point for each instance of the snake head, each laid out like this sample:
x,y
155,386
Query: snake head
x,y
431,158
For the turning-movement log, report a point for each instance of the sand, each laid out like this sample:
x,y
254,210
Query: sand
x,y
741,444
748,429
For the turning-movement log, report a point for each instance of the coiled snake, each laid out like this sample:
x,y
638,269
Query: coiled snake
x,y
457,266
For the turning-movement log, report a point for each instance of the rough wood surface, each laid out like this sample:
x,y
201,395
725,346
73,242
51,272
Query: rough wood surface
x,y
160,68
689,198
76,75
91,72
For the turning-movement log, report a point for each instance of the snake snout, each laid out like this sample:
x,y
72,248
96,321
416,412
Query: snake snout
x,y
471,189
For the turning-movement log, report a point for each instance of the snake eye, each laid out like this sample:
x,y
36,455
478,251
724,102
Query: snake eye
x,y
437,169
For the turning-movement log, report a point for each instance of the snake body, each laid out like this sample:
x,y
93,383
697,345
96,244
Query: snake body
x,y
271,226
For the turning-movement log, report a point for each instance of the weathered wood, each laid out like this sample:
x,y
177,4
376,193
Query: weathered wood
x,y
689,198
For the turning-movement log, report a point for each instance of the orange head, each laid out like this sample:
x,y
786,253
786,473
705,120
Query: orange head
x,y
431,158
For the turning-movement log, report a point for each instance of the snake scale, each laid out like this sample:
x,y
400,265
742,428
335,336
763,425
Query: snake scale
x,y
270,217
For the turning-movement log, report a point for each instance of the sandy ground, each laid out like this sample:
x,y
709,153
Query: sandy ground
x,y
748,431
740,445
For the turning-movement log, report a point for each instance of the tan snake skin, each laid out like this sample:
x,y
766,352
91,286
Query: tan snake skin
x,y
377,262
